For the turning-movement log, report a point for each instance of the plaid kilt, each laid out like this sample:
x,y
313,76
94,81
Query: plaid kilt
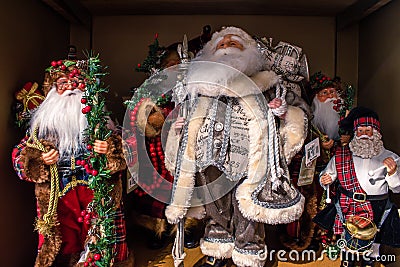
x,y
348,180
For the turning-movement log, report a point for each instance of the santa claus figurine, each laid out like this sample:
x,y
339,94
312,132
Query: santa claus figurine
x,y
51,156
364,172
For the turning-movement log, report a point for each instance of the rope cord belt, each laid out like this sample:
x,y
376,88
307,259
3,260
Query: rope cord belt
x,y
46,225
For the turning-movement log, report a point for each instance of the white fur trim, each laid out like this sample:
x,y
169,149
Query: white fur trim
x,y
198,212
171,149
216,37
244,260
182,194
266,215
293,131
217,250
265,79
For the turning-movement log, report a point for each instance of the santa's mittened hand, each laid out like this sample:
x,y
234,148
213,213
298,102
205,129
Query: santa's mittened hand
x,y
50,157
100,147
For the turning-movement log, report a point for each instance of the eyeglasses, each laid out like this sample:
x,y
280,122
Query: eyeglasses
x,y
327,92
65,83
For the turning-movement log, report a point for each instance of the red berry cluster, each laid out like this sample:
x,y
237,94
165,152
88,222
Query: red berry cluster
x,y
337,104
92,261
156,154
133,114
58,64
86,109
87,166
323,78
86,217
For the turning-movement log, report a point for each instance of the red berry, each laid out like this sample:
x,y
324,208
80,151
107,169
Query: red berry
x,y
156,35
80,219
139,65
54,63
97,257
87,216
78,162
71,75
89,108
89,147
87,221
95,172
82,86
89,259
83,100
63,67
83,162
83,212
86,264
59,63
75,71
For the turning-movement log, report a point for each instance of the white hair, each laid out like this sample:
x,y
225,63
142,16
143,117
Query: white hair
x,y
325,117
367,148
60,120
249,61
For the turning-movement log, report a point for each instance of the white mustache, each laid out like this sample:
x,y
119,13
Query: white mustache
x,y
364,136
71,92
330,99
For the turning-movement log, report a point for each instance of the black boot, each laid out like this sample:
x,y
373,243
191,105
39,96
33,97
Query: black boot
x,y
368,262
191,239
157,241
214,262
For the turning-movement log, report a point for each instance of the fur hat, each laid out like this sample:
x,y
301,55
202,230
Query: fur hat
x,y
247,39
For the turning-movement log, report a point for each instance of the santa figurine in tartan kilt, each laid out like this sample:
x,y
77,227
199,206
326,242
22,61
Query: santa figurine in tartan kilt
x,y
52,157
363,173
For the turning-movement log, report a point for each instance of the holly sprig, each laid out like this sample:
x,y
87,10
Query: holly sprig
x,y
103,227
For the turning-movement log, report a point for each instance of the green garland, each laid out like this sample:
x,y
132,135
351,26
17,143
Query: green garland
x,y
103,227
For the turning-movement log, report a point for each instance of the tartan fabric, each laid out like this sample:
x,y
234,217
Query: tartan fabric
x,y
348,180
367,121
15,157
121,245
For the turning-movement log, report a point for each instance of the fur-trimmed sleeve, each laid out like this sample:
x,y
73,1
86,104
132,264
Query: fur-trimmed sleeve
x,y
28,162
115,155
293,131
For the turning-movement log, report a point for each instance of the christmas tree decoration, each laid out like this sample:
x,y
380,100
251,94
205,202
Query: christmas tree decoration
x,y
154,58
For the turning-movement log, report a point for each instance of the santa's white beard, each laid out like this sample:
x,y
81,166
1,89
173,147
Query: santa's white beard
x,y
367,148
326,118
249,61
59,119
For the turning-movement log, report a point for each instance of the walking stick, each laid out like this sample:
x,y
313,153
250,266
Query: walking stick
x,y
179,96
